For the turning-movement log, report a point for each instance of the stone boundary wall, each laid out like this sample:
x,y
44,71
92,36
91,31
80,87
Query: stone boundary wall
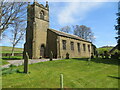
x,y
9,54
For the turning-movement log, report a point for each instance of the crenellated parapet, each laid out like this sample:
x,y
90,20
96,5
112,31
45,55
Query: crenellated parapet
x,y
46,7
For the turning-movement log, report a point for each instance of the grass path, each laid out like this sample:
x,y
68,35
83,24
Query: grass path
x,y
77,74
21,62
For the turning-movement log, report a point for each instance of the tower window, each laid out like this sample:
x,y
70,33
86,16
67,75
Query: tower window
x,y
42,15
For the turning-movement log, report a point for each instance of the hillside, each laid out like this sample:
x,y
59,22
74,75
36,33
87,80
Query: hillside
x,y
102,49
6,49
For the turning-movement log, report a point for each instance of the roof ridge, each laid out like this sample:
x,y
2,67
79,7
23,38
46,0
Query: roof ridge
x,y
67,34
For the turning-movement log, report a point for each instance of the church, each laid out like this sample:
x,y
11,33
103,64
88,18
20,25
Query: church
x,y
41,40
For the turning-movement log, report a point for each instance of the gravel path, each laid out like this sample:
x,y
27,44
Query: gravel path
x,y
21,62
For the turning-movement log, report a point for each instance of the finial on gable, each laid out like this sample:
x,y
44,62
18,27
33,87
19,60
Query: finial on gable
x,y
28,3
47,4
35,1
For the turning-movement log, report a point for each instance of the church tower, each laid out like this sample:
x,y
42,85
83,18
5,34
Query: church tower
x,y
36,33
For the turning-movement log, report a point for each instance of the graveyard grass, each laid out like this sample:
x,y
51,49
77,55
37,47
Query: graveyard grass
x,y
3,62
77,74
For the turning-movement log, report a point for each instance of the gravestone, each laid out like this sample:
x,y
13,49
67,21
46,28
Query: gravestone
x,y
26,58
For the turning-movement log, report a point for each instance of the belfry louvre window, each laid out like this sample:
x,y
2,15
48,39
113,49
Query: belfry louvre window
x,y
72,45
78,45
64,44
84,47
42,15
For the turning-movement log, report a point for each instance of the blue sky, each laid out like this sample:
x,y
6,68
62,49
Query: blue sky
x,y
99,16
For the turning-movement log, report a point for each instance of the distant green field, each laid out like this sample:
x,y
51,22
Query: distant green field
x,y
5,49
100,73
9,49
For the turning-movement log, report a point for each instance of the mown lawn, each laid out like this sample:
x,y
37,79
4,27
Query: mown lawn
x,y
77,74
4,62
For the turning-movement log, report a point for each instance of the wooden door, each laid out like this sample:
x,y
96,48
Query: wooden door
x,y
42,51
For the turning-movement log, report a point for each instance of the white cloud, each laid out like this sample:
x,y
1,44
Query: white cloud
x,y
74,12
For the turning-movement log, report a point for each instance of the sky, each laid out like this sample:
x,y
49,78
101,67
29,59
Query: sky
x,y
99,16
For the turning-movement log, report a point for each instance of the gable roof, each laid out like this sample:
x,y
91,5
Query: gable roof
x,y
67,35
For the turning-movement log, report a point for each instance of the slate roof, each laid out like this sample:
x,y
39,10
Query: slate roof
x,y
67,35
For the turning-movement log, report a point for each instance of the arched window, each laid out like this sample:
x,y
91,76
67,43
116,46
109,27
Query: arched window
x,y
42,14
42,50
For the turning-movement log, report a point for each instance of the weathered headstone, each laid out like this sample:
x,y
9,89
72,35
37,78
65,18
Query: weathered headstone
x,y
102,55
92,56
51,56
116,55
106,55
26,58
67,55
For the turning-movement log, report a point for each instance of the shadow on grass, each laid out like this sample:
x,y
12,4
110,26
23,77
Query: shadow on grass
x,y
22,72
11,70
100,60
11,58
114,77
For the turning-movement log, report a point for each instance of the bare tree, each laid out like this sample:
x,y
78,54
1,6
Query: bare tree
x,y
66,29
13,20
18,32
84,32
9,12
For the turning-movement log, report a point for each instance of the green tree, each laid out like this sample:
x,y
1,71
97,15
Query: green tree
x,y
117,27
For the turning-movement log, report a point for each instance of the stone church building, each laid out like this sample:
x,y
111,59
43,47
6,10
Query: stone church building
x,y
41,40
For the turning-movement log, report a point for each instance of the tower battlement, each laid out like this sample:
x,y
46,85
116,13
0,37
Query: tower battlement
x,y
46,7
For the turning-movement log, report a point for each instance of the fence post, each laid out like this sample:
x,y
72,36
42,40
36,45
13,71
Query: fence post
x,y
61,80
89,61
